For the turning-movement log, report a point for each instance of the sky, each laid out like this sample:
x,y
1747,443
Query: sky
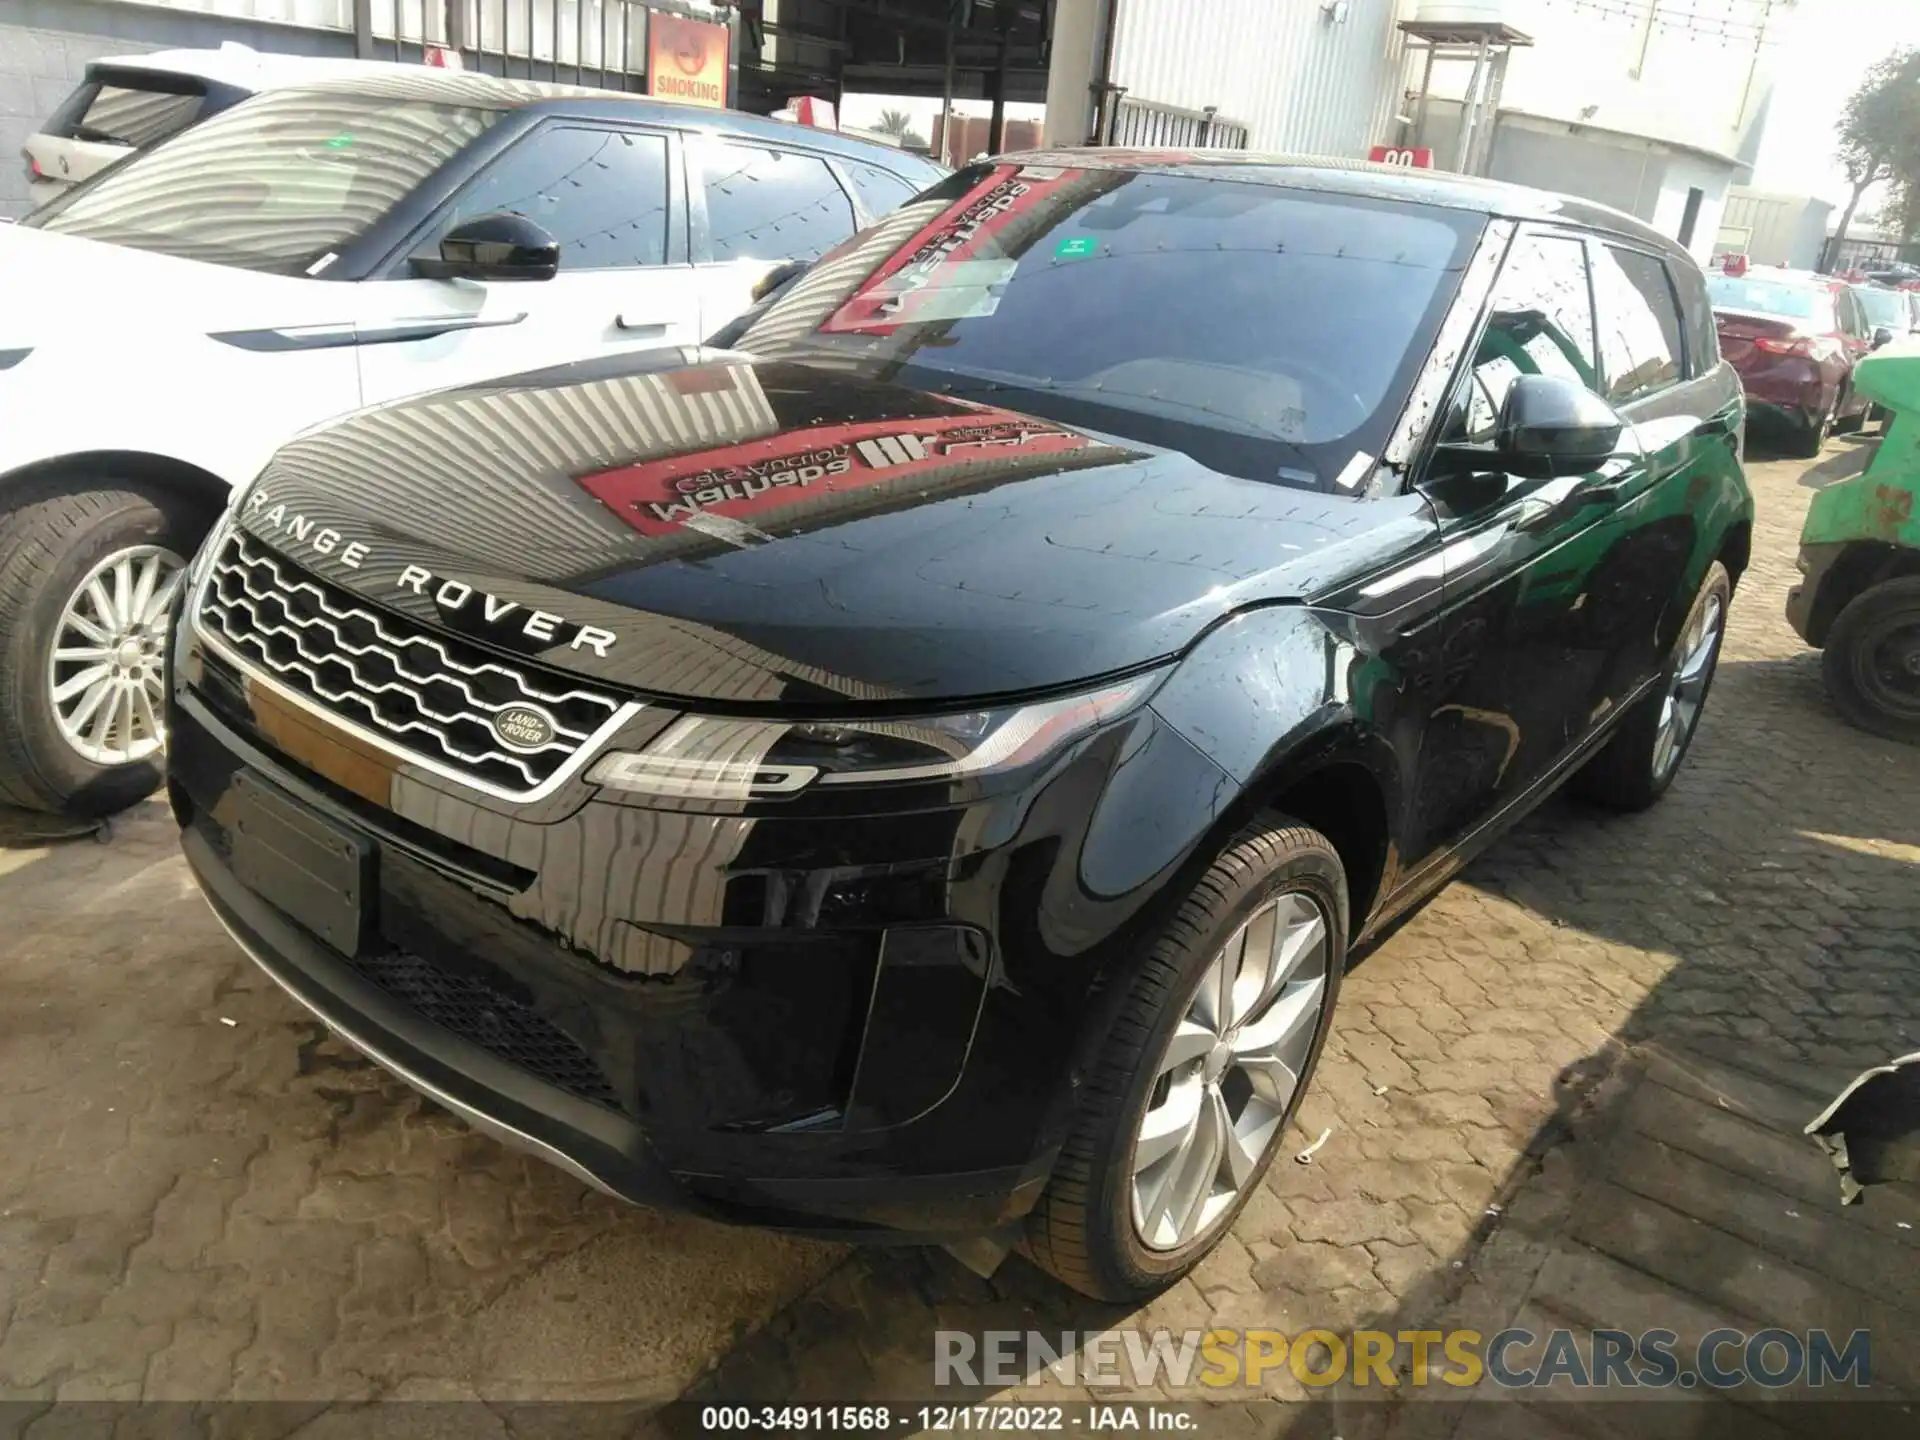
x,y
1824,52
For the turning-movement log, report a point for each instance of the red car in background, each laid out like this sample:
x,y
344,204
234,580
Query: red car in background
x,y
1794,337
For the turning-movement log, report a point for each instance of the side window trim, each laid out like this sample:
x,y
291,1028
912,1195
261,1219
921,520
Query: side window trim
x,y
862,218
1423,419
395,264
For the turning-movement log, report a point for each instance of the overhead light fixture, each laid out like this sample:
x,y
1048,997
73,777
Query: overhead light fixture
x,y
1336,11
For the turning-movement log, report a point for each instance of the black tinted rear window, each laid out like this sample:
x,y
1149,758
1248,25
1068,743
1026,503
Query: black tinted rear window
x,y
1268,331
128,113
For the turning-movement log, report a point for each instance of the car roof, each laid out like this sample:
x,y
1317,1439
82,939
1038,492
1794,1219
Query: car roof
x,y
490,92
1778,275
1365,179
245,68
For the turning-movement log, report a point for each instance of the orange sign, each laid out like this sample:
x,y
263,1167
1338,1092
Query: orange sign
x,y
686,60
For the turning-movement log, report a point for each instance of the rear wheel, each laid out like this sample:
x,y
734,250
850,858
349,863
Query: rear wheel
x,y
88,568
1872,660
1215,1041
1843,422
1639,763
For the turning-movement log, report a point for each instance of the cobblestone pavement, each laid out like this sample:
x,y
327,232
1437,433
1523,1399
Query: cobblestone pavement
x,y
1769,907
201,1195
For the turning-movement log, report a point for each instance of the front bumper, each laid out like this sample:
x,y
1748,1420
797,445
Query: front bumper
x,y
1809,619
865,1026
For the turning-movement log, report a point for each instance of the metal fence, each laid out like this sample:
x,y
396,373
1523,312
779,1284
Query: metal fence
x,y
1145,125
582,42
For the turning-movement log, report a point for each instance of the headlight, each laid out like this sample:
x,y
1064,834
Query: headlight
x,y
704,757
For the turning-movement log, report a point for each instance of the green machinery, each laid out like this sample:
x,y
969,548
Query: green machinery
x,y
1859,596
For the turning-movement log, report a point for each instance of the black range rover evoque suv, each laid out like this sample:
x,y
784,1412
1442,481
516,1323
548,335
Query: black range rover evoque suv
x,y
918,767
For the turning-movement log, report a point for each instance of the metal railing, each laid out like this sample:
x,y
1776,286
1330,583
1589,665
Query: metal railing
x,y
1147,125
582,42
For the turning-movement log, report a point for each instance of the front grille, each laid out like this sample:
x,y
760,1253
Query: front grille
x,y
427,695
496,1022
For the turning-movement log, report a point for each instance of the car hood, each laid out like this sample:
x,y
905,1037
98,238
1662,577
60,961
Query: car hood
x,y
786,534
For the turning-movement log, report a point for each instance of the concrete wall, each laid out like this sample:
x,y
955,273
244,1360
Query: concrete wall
x,y
46,45
1643,178
1622,174
1688,172
1693,74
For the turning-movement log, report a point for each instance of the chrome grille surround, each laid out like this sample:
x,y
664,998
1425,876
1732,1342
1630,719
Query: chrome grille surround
x,y
427,698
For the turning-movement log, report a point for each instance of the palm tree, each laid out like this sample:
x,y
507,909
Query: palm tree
x,y
895,122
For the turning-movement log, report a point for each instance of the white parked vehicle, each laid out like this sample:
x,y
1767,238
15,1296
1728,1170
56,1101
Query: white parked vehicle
x,y
168,325
131,102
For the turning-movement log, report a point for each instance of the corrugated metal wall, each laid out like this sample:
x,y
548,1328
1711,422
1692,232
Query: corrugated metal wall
x,y
1285,69
1775,229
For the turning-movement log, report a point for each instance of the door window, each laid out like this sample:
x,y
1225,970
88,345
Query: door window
x,y
881,191
1541,324
1696,312
601,193
1640,344
1853,321
772,204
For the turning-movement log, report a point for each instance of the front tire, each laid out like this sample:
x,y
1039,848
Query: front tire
x,y
1213,1047
1872,660
87,568
1640,762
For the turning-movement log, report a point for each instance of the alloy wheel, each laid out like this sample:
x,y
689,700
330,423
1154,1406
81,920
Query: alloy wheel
x,y
1687,691
1229,1072
104,676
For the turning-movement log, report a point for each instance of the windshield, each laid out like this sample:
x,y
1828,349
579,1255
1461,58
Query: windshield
x,y
1268,332
1885,308
278,183
1772,297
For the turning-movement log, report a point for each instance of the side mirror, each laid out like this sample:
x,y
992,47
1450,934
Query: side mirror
x,y
494,247
1557,425
1882,336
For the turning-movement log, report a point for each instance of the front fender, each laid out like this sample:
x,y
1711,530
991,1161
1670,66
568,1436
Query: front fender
x,y
1263,701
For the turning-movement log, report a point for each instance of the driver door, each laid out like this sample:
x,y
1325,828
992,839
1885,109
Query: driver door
x,y
1521,663
610,196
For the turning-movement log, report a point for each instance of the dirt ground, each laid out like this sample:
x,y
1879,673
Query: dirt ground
x,y
203,1196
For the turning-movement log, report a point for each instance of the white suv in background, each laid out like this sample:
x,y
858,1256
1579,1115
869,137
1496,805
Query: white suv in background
x,y
168,325
131,102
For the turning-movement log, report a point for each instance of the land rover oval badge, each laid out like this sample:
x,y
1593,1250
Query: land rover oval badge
x,y
523,727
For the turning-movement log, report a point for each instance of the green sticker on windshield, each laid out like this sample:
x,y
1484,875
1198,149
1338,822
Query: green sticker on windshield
x,y
1077,247
340,142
